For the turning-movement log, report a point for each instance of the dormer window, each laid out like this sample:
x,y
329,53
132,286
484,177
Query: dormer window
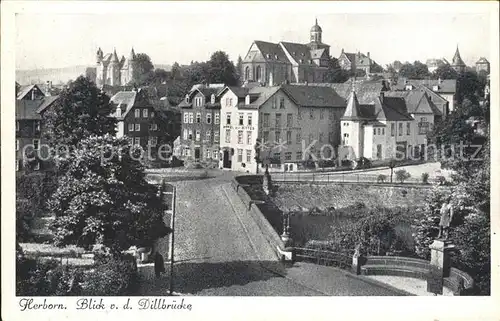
x,y
247,100
212,99
187,98
301,61
118,112
268,56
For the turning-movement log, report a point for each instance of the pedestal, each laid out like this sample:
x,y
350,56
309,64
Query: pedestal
x,y
440,265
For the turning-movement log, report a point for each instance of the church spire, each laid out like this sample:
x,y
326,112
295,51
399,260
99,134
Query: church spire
x,y
352,110
115,56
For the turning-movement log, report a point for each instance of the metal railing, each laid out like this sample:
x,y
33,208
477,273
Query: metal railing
x,y
322,257
336,177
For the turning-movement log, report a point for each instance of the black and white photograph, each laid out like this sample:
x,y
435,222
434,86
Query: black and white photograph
x,y
156,152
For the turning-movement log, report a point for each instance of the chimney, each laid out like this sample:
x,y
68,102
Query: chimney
x,y
368,54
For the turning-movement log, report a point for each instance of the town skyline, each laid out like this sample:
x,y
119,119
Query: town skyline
x,y
425,36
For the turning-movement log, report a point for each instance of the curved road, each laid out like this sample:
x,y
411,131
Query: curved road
x,y
219,251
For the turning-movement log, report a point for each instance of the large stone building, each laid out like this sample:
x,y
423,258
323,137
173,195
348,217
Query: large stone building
x,y
276,63
200,123
356,61
114,71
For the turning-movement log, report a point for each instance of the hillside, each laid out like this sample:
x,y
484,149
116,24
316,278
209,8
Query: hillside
x,y
58,75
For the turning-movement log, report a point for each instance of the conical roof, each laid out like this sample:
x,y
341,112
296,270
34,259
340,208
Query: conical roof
x,y
457,60
115,57
132,54
352,109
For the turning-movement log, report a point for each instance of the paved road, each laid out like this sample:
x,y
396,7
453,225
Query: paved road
x,y
217,256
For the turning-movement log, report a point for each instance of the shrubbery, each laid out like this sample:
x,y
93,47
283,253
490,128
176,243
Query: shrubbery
x,y
402,175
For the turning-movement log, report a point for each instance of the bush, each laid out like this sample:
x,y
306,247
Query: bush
x,y
364,162
402,175
326,163
441,180
381,178
425,178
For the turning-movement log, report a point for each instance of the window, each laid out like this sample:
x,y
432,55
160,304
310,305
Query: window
x,y
288,156
152,114
278,121
130,127
215,155
383,131
258,74
153,140
208,135
379,151
298,155
273,106
249,156
289,137
198,118
198,101
137,113
37,166
228,136
247,73
36,144
240,137
17,126
378,131
217,119
17,145
330,114
241,119
289,120
37,125
137,127
191,118
209,118
137,141
374,131
216,137
277,137
240,155
393,129
321,137
345,140
265,137
249,138
311,113
423,127
299,138
145,113
321,113
277,156
282,103
198,135
266,120
190,134
228,118
131,141
153,126
408,128
185,134
186,118
400,129
249,117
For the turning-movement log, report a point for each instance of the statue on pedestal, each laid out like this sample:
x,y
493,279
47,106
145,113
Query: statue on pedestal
x,y
446,217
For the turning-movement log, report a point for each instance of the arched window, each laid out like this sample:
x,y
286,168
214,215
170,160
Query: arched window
x,y
247,73
258,74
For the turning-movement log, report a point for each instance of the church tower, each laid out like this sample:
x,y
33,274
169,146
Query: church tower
x,y
316,33
457,63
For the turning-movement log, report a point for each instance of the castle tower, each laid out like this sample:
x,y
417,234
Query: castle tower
x,y
316,33
352,129
457,62
131,63
100,69
114,70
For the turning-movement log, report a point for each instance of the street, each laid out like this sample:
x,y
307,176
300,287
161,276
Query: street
x,y
218,251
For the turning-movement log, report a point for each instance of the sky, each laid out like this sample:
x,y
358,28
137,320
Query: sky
x,y
181,32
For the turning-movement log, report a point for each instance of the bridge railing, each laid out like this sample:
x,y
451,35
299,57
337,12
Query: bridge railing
x,y
322,257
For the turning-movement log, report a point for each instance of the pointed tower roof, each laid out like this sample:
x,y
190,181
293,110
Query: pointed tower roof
x,y
352,110
115,57
132,54
457,60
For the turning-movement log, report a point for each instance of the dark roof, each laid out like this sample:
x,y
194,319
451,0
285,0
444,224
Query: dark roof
x,y
299,52
443,86
394,108
352,111
366,91
27,109
359,59
313,96
258,95
125,100
272,49
47,102
23,91
417,101
457,60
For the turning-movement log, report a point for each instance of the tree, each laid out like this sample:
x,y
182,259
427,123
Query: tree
x,y
417,70
445,72
175,72
160,76
221,70
239,68
402,175
469,86
103,198
143,70
82,110
377,68
335,74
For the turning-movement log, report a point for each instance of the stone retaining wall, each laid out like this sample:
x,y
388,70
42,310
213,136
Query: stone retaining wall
x,y
265,227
